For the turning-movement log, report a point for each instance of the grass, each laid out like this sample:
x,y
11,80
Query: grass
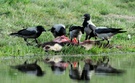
x,y
18,14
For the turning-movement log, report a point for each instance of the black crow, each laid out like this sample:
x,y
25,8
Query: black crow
x,y
58,30
31,68
76,32
89,27
31,32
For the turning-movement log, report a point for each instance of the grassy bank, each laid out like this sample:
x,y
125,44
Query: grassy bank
x,y
18,14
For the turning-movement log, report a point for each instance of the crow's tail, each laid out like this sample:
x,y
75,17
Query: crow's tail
x,y
122,31
13,34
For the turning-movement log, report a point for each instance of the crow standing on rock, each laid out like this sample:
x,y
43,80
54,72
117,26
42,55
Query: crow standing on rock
x,y
30,33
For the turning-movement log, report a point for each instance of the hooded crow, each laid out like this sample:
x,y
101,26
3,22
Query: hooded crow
x,y
103,33
31,68
107,33
31,32
76,32
89,27
58,30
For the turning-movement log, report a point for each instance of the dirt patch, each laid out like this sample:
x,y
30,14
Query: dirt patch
x,y
126,17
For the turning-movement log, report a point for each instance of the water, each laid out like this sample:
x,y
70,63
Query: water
x,y
8,75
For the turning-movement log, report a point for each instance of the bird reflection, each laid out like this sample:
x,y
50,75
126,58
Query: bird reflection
x,y
57,65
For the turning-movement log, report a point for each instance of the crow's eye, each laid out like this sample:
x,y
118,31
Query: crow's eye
x,y
47,47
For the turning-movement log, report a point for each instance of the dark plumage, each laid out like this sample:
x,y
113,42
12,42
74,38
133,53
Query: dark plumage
x,y
106,33
33,68
58,30
103,67
75,73
76,32
101,32
32,32
89,27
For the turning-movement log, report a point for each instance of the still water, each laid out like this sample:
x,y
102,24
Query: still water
x,y
8,75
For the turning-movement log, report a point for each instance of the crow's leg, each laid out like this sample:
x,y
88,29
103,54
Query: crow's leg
x,y
79,39
95,37
26,41
107,43
86,37
89,37
101,43
36,41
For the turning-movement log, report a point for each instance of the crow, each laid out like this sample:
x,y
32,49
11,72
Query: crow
x,y
105,33
31,33
58,30
76,32
89,27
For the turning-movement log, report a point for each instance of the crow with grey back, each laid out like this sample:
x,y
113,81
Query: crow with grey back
x,y
76,32
89,27
30,33
105,33
58,30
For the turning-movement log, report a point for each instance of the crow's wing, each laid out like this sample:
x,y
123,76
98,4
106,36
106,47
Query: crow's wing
x,y
92,27
26,32
107,30
74,28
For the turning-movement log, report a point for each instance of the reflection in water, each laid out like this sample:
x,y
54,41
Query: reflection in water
x,y
31,68
74,72
57,65
102,66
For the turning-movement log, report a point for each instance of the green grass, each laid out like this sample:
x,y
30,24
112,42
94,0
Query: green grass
x,y
18,14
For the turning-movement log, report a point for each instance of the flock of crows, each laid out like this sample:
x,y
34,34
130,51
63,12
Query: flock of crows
x,y
59,66
58,30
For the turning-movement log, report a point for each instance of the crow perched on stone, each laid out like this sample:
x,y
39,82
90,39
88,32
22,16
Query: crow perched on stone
x,y
29,33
